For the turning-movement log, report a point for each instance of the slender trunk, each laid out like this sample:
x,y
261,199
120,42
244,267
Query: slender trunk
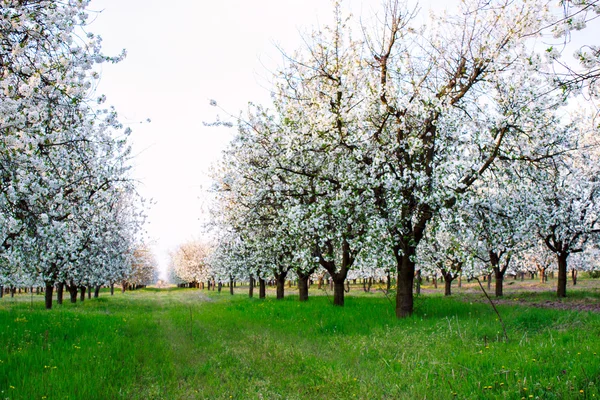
x,y
231,285
303,287
112,289
574,276
82,293
561,289
220,286
60,287
406,276
489,281
123,287
389,280
460,281
1,291
48,294
262,288
89,291
251,287
12,291
97,291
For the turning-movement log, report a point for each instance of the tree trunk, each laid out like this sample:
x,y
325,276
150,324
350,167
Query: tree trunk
x,y
280,280
406,276
447,286
72,293
1,291
338,293
303,287
60,287
231,285
389,280
12,291
112,289
89,291
262,288
97,291
574,276
82,293
460,281
489,281
561,289
220,286
48,295
123,287
251,287
499,275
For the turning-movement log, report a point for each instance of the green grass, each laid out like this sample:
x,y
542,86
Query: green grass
x,y
188,344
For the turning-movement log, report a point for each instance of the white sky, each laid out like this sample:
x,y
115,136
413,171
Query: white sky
x,y
181,55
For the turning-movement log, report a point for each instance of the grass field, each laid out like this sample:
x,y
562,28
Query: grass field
x,y
188,344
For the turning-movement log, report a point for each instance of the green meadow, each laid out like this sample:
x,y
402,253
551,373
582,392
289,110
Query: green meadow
x,y
195,344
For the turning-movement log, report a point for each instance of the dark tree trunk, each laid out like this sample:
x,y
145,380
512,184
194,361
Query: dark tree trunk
x,y
499,276
262,288
220,286
97,291
389,280
251,287
406,276
48,295
89,291
1,291
82,293
123,287
338,293
112,289
417,283
280,281
561,289
72,293
448,285
574,276
60,287
489,281
13,290
231,285
303,287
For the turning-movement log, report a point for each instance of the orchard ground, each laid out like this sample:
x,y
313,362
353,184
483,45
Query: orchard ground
x,y
190,343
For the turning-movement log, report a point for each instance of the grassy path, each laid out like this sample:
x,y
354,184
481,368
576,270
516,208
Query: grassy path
x,y
186,344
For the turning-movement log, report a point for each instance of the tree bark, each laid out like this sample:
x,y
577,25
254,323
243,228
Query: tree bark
x,y
303,287
406,276
574,276
60,287
48,295
82,293
72,292
561,288
251,287
280,281
97,291
338,293
231,285
447,286
262,288
1,291
499,275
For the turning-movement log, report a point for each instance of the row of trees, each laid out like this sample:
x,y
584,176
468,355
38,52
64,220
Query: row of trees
x,y
68,209
454,145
